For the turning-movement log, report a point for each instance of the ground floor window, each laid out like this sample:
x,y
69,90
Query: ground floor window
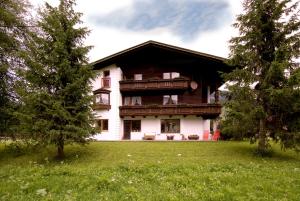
x,y
170,126
102,125
136,125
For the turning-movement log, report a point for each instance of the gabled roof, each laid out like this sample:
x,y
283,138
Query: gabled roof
x,y
115,57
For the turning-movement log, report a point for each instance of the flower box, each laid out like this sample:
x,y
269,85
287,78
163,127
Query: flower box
x,y
193,137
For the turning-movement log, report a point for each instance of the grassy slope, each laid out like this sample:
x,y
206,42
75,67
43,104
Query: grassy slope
x,y
152,171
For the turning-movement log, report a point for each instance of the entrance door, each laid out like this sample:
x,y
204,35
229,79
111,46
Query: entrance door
x,y
131,126
127,129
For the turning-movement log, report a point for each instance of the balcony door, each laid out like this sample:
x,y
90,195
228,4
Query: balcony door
x,y
127,129
131,126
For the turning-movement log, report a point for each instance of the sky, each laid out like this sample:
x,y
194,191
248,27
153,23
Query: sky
x,y
115,25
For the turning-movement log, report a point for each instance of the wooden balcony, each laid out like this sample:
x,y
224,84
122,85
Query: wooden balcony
x,y
154,84
98,106
204,110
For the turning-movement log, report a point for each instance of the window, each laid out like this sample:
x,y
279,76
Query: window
x,y
166,76
127,101
138,76
175,75
102,99
106,73
134,100
102,125
171,75
106,82
106,79
136,125
170,126
170,99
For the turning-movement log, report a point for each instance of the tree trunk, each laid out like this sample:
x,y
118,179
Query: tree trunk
x,y
262,141
60,149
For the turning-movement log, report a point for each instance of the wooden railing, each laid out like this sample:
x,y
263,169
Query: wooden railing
x,y
98,106
154,84
205,110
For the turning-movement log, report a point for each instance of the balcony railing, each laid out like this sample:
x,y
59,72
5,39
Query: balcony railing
x,y
154,84
98,106
204,110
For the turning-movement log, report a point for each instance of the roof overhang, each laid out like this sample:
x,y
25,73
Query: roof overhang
x,y
115,58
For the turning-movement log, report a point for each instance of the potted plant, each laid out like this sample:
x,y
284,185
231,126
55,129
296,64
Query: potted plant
x,y
193,137
170,137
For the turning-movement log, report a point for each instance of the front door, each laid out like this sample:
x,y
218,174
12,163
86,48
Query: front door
x,y
127,129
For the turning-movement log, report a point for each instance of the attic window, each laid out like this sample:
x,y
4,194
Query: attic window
x,y
171,75
106,73
138,76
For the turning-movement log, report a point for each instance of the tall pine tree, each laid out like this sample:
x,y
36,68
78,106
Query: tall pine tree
x,y
56,91
13,30
264,100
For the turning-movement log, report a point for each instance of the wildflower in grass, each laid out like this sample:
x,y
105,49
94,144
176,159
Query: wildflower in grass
x,y
41,192
178,154
128,155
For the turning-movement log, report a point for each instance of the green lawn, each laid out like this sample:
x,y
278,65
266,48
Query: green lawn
x,y
151,171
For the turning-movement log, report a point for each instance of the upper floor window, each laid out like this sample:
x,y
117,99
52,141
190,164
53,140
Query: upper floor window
x,y
138,77
134,100
171,75
106,79
106,73
170,99
102,98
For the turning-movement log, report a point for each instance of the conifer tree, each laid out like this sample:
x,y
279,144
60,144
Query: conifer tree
x,y
12,33
56,92
264,100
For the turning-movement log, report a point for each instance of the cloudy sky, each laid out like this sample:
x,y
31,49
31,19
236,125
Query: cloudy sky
x,y
201,25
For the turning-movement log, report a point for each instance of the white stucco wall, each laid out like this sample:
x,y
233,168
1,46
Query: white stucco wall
x,y
151,125
114,121
206,124
192,125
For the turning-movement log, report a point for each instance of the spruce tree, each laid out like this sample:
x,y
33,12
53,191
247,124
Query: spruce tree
x,y
13,30
56,89
264,98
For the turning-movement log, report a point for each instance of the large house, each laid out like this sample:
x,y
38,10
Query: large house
x,y
157,91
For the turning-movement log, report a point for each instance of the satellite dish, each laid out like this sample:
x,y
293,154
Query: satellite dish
x,y
194,85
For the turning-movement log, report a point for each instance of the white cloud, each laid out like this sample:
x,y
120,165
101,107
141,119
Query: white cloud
x,y
108,40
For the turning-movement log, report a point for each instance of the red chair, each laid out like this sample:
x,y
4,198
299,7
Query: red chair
x,y
216,135
206,135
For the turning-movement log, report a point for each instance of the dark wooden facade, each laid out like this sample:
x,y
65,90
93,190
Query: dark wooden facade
x,y
204,110
152,60
101,106
154,84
